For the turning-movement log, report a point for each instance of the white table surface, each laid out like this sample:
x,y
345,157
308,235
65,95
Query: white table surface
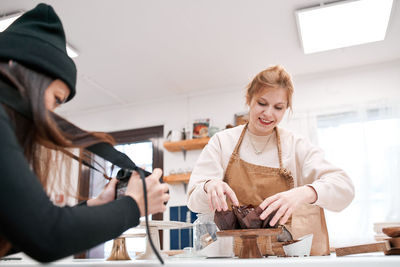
x,y
362,260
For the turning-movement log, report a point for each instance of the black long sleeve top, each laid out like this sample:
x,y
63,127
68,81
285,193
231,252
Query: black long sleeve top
x,y
34,225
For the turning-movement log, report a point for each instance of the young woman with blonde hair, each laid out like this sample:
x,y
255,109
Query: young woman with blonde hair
x,y
261,164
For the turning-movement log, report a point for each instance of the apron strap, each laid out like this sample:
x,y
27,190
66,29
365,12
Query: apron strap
x,y
278,141
286,173
236,150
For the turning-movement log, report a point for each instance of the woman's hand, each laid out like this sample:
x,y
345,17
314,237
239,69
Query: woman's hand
x,y
285,203
107,195
157,193
216,191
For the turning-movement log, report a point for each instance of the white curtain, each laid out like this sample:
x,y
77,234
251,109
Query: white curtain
x,y
365,142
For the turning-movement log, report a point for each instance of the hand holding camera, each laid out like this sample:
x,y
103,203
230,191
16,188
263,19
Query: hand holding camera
x,y
107,195
157,193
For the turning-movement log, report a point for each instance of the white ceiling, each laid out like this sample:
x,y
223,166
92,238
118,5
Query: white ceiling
x,y
133,51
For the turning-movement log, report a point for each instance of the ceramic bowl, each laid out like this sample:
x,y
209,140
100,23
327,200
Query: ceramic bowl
x,y
300,248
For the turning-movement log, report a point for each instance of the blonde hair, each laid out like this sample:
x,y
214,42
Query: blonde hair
x,y
272,77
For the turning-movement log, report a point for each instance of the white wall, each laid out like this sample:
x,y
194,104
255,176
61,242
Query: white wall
x,y
349,87
320,93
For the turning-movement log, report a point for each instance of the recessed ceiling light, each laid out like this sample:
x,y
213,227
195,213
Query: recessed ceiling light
x,y
342,24
71,51
9,19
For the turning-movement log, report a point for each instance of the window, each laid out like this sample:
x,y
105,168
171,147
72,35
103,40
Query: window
x,y
366,144
181,238
142,154
144,147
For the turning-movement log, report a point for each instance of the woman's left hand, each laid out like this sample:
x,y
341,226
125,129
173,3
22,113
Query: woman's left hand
x,y
107,195
285,203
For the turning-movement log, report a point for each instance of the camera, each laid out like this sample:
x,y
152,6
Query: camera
x,y
123,177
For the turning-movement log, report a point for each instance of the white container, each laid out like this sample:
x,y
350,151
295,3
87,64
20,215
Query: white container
x,y
300,248
221,248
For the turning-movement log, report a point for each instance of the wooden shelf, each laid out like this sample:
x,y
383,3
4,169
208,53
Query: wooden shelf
x,y
183,145
190,144
177,178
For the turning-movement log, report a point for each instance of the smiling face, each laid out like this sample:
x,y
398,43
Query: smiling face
x,y
267,110
56,94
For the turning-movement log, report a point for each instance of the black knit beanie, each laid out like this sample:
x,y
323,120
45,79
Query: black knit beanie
x,y
37,40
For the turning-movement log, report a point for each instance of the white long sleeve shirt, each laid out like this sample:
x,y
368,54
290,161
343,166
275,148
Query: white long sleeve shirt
x,y
306,162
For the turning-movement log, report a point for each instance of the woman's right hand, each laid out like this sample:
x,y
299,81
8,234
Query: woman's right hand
x,y
157,193
216,192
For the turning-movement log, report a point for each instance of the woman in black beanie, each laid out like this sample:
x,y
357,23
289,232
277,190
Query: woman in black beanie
x,y
36,76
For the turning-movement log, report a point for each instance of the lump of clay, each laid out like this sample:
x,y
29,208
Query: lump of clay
x,y
248,217
252,220
268,219
226,220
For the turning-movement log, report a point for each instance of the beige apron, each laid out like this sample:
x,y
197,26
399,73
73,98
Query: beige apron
x,y
253,183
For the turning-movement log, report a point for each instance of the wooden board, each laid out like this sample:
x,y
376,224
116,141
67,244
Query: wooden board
x,y
393,251
367,248
249,232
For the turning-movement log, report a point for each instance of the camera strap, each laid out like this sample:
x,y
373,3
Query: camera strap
x,y
11,97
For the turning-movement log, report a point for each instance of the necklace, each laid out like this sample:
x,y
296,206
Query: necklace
x,y
258,152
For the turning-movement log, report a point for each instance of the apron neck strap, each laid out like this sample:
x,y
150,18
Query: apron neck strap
x,y
236,150
278,141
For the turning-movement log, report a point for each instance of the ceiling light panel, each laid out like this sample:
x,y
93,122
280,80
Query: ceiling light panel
x,y
343,24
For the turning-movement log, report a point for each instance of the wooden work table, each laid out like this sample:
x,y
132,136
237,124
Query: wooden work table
x,y
362,260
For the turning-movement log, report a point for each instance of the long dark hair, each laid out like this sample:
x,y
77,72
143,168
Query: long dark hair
x,y
46,138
